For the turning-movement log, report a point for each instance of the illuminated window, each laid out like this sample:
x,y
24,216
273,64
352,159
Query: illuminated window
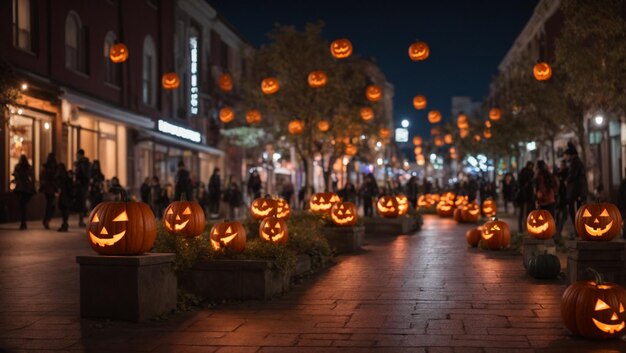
x,y
22,24
110,69
193,70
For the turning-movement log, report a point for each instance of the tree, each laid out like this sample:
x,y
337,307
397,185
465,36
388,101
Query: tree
x,y
9,92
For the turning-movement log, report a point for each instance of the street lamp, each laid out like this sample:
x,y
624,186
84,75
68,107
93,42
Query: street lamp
x,y
405,123
598,120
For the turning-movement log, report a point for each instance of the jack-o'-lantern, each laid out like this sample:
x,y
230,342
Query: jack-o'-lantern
x,y
351,149
373,93
600,221
489,208
594,309
417,150
417,140
419,102
487,134
434,116
263,207
118,53
457,215
488,124
445,208
542,71
225,82
462,122
253,116
121,228
461,200
463,133
317,79
270,85
343,214
367,113
321,202
496,235
477,138
447,138
295,127
471,212
274,230
495,114
384,133
387,206
419,51
540,224
228,235
403,204
226,115
438,141
323,125
282,209
473,236
170,81
341,48
185,218
426,201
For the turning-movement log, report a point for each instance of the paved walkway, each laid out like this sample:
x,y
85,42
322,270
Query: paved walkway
x,y
422,293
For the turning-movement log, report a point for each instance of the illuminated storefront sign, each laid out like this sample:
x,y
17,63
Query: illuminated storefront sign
x,y
178,131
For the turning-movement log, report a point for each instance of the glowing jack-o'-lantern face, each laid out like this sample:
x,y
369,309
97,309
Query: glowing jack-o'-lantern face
x,y
496,235
425,201
253,117
184,218
445,208
367,113
225,82
317,79
489,208
403,204
270,85
323,201
273,230
228,235
542,71
263,207
540,224
323,125
343,214
419,51
295,127
594,309
384,133
283,210
341,48
471,212
495,114
434,116
118,53
387,206
601,221
227,115
107,239
419,102
373,93
170,81
462,122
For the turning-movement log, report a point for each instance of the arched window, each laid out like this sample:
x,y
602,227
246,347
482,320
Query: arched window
x,y
74,43
149,79
110,68
22,24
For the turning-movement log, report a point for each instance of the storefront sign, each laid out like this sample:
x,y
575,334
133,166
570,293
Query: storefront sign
x,y
178,131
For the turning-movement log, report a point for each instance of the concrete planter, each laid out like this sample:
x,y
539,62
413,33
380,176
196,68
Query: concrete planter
x,y
606,257
344,240
391,226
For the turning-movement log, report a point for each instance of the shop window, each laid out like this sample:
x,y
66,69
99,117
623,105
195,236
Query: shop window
x,y
110,68
23,132
75,57
149,72
22,28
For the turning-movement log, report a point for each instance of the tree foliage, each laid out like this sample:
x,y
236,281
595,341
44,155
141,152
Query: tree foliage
x,y
9,92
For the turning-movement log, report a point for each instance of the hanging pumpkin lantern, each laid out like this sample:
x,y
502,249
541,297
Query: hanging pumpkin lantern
x,y
488,124
462,122
418,51
373,93
387,206
495,114
184,218
170,81
445,208
471,212
434,116
477,138
225,82
473,236
367,113
599,221
448,139
419,102
384,133
270,85
263,207
542,71
341,48
435,131
228,235
321,202
496,235
489,208
282,209
295,127
317,79
417,140
540,224
343,214
227,115
351,149
438,141
403,204
420,160
594,309
118,53
121,228
487,134
463,133
253,117
323,125
417,150
544,266
273,230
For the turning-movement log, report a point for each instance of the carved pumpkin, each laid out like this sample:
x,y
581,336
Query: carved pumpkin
x,y
447,138
225,82
600,221
419,51
417,150
457,215
489,208
367,113
473,236
594,309
477,138
295,127
495,114
438,141
228,235
323,125
317,79
540,224
384,133
434,116
460,200
282,209
542,71
226,115
263,207
253,117
487,134
387,206
274,230
343,214
417,140
544,266
403,204
121,228
351,149
445,208
321,202
184,218
118,53
170,81
341,48
471,212
496,235
488,124
419,102
462,122
373,93
463,133
270,85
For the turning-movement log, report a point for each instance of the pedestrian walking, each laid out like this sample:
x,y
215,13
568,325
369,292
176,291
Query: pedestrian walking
x,y
182,183
215,193
254,185
369,191
349,192
96,184
576,182
48,186
412,190
24,179
82,169
145,192
234,197
66,195
157,194
509,188
561,200
546,188
524,198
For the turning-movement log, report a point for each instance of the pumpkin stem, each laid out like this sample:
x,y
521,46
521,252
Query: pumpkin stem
x,y
596,275
123,193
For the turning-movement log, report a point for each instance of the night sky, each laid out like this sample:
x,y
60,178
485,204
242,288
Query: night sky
x,y
467,41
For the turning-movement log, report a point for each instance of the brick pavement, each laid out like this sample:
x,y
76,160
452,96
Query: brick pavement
x,y
422,293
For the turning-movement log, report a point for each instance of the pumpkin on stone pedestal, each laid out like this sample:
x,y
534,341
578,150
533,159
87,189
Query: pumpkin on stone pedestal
x,y
184,218
471,212
344,214
321,202
496,235
228,235
540,224
445,208
274,230
387,206
598,222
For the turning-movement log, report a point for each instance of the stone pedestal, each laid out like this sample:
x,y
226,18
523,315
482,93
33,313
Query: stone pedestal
x,y
391,226
606,257
532,246
345,240
131,288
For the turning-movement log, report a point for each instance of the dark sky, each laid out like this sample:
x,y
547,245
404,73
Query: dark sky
x,y
467,40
